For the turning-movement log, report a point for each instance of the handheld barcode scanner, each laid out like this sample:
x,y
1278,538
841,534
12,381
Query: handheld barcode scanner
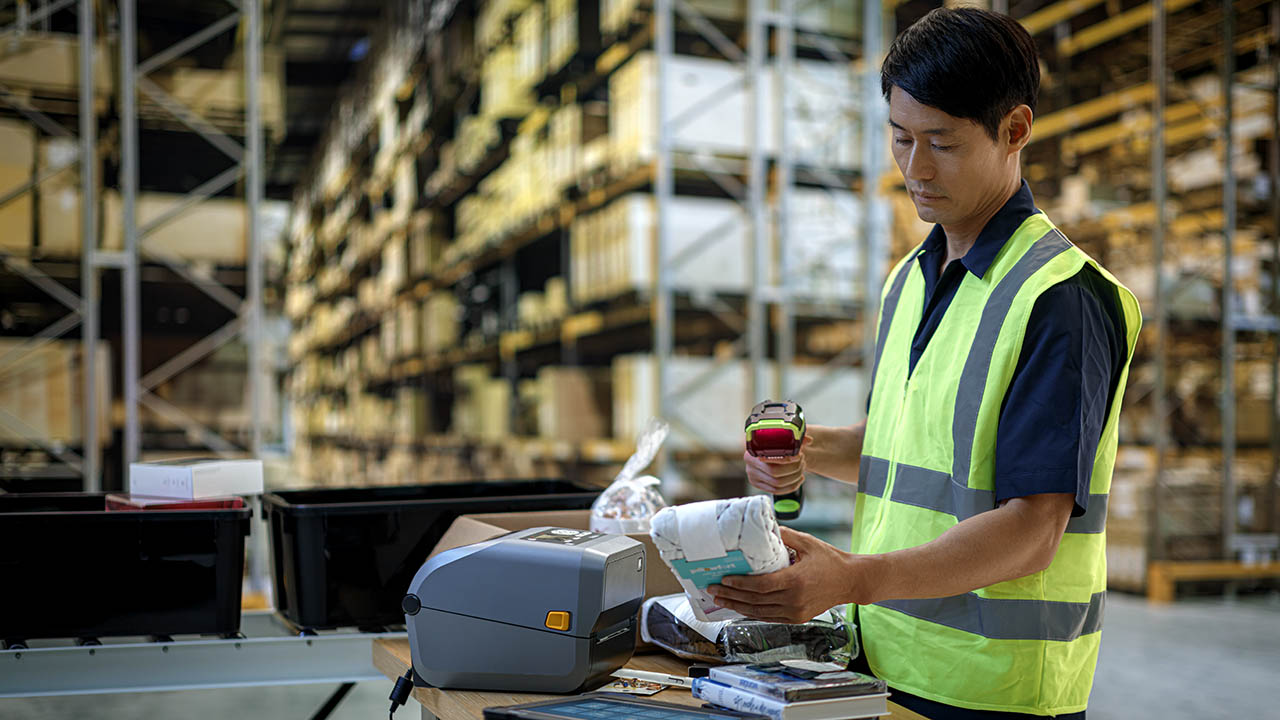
x,y
776,430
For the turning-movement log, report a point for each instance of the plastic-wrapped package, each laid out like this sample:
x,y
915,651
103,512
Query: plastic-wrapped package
x,y
705,541
669,623
629,503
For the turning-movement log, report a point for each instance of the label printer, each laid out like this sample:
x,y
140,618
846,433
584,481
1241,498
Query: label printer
x,y
547,609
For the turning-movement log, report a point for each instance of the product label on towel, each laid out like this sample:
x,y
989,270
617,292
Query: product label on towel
x,y
708,572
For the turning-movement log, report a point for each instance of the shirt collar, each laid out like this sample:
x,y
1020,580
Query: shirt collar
x,y
994,235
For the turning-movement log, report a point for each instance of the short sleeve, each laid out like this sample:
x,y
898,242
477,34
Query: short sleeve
x,y
1059,397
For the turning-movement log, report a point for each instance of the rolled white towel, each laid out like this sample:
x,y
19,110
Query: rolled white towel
x,y
702,542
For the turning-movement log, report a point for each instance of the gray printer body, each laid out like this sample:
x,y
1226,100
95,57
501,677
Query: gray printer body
x,y
484,612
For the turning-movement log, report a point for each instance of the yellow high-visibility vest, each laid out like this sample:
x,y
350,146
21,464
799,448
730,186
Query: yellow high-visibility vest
x,y
1028,645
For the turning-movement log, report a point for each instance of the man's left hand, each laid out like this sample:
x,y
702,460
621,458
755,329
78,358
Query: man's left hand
x,y
821,578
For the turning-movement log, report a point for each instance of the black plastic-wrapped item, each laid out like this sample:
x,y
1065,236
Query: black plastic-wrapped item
x,y
669,623
344,557
72,569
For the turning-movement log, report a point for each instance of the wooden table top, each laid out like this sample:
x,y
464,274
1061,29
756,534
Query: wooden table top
x,y
391,656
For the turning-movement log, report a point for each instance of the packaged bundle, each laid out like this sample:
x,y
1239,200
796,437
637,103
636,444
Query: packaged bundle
x,y
705,541
669,623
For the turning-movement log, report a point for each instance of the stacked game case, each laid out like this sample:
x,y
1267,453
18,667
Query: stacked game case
x,y
794,690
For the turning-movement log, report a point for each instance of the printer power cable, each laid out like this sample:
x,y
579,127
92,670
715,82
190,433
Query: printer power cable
x,y
400,693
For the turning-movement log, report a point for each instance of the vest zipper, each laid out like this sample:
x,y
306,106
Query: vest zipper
x,y
892,477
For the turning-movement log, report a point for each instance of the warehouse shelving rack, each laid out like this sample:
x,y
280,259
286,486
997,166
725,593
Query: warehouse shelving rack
x,y
1232,322
762,292
135,263
1078,40
248,311
82,307
743,320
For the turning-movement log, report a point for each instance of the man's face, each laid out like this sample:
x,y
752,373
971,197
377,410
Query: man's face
x,y
952,167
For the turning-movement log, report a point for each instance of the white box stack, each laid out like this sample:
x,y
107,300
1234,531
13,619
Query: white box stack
x,y
821,102
718,405
612,249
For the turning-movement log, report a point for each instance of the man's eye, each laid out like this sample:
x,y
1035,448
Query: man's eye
x,y
943,148
902,141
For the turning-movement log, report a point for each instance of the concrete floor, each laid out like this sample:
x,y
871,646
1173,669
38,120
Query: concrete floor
x,y
1195,659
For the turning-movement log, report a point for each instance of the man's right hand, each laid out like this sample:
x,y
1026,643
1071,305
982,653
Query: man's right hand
x,y
777,476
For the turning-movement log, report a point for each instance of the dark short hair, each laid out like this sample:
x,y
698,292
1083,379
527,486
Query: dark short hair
x,y
967,62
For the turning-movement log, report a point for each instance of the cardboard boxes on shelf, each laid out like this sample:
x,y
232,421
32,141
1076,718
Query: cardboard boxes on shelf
x,y
835,18
573,26
59,200
612,249
717,400
573,403
42,392
440,325
714,105
1190,507
17,162
48,65
213,231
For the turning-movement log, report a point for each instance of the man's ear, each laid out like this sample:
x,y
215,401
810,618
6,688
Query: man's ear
x,y
1017,127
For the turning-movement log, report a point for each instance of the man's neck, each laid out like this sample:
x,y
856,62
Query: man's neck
x,y
962,236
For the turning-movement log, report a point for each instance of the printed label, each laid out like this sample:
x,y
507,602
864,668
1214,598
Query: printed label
x,y
709,572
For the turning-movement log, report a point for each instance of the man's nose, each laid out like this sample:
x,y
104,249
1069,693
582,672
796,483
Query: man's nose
x,y
919,165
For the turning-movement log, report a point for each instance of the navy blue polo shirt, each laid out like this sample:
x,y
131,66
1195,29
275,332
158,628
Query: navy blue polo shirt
x,y
1058,400
1072,356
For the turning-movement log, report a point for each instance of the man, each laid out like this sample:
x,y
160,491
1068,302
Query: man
x,y
978,568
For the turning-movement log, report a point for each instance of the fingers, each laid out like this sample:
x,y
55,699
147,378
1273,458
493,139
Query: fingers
x,y
777,478
775,486
725,592
767,613
759,584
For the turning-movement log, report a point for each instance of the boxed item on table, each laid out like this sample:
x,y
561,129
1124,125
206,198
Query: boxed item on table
x,y
470,529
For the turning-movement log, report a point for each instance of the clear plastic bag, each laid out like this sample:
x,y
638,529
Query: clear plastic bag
x,y
628,505
669,623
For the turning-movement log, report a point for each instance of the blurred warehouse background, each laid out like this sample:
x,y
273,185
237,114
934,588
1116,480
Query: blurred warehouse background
x,y
404,242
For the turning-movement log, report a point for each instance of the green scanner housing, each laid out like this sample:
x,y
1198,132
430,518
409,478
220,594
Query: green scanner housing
x,y
776,430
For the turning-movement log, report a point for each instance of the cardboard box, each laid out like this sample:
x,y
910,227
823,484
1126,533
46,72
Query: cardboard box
x,y
17,160
822,103
49,64
44,389
574,403
213,230
220,93
469,529
59,202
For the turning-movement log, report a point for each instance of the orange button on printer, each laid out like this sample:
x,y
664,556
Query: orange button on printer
x,y
558,620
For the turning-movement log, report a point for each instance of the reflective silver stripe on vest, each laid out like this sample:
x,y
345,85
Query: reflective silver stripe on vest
x,y
1008,619
939,491
873,475
973,379
934,490
890,307
1094,519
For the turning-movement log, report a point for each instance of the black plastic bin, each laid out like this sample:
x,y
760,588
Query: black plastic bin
x,y
71,569
345,557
